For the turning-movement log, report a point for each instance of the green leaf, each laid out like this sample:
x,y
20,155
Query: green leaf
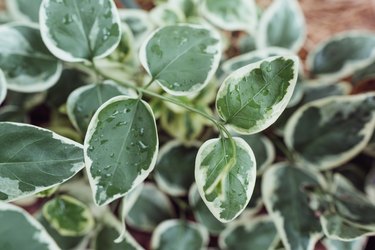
x,y
364,74
77,31
179,234
342,54
16,222
256,233
240,61
282,25
150,209
166,14
256,202
105,240
288,205
263,149
3,87
315,91
24,10
231,15
202,214
188,7
253,97
358,244
225,179
68,216
370,185
339,129
181,58
120,147
27,64
174,172
84,101
35,160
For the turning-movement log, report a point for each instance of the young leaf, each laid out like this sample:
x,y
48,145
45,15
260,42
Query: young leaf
x,y
120,147
182,58
202,214
151,208
27,64
77,31
282,25
339,128
106,236
3,87
253,97
257,233
24,10
174,172
342,54
231,15
34,159
84,101
288,205
179,234
68,216
225,179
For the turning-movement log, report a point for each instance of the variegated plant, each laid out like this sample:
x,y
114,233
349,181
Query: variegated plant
x,y
235,134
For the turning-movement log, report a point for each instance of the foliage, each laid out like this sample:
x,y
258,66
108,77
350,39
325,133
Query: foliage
x,y
84,84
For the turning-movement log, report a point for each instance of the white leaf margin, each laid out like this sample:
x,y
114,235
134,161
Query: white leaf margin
x,y
62,54
277,109
200,176
351,66
335,160
15,12
42,236
267,17
88,162
166,225
3,87
214,64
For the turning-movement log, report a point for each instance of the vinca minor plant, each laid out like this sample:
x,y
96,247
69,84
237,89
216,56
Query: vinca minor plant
x,y
133,129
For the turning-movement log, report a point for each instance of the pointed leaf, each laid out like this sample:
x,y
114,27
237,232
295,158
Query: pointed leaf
x,y
257,233
174,172
15,222
24,10
288,205
34,160
179,234
342,54
231,15
254,96
339,128
84,101
68,216
182,58
120,147
282,25
150,209
27,64
77,31
225,181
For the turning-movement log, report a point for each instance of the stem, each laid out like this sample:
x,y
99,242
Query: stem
x,y
289,155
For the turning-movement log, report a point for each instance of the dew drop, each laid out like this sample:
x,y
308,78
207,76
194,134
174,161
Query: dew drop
x,y
112,155
67,19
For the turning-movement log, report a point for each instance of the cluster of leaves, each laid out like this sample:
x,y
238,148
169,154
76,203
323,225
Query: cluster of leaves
x,y
117,83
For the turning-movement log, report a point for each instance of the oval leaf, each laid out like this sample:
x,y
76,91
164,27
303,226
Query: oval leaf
x,y
231,15
24,10
150,209
182,58
256,233
84,101
342,54
339,128
15,222
174,172
296,223
68,216
94,24
3,87
120,147
225,181
254,96
179,234
27,64
282,25
35,160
